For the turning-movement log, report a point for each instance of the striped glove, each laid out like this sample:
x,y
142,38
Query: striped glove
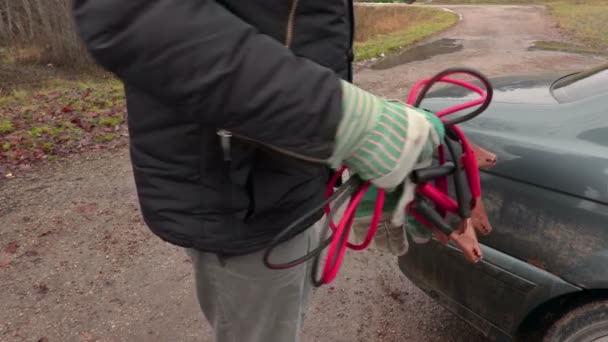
x,y
383,141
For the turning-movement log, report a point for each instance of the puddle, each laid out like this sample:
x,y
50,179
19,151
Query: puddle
x,y
420,52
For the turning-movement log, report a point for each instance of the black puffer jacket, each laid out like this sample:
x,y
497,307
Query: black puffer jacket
x,y
266,70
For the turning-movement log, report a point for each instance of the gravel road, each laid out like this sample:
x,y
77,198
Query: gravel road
x,y
493,39
84,268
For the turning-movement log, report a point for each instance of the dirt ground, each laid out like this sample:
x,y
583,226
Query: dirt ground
x,y
77,263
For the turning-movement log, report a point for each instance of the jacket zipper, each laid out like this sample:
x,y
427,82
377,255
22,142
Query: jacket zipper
x,y
290,23
225,143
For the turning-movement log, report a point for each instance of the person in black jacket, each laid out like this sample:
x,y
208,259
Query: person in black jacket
x,y
237,113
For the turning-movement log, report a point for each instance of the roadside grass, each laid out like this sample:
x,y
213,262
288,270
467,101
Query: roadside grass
x,y
585,21
549,45
382,30
63,117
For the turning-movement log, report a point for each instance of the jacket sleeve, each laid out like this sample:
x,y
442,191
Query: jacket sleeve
x,y
200,58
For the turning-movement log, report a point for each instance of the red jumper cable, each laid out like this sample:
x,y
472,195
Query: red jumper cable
x,y
432,203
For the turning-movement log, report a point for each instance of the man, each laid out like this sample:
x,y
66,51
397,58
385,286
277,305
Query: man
x,y
236,110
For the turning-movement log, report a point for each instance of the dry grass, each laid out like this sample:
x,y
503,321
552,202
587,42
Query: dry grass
x,y
586,21
567,47
41,32
387,28
16,78
497,2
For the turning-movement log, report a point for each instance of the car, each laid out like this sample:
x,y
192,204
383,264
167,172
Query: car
x,y
544,275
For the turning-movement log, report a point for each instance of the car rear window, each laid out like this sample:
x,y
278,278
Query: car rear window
x,y
581,85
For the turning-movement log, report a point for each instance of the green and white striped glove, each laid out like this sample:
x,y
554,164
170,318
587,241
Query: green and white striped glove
x,y
383,141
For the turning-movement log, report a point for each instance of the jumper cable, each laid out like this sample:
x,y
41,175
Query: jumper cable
x,y
432,202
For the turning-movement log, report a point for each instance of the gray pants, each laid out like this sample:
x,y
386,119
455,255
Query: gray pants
x,y
246,302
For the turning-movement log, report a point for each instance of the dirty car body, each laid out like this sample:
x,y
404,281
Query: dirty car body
x,y
547,200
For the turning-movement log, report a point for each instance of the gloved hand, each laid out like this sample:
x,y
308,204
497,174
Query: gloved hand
x,y
383,141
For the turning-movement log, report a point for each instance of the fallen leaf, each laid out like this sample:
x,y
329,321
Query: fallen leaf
x,y
87,208
31,253
25,167
85,336
76,121
41,288
12,248
67,109
87,126
43,339
48,232
4,263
